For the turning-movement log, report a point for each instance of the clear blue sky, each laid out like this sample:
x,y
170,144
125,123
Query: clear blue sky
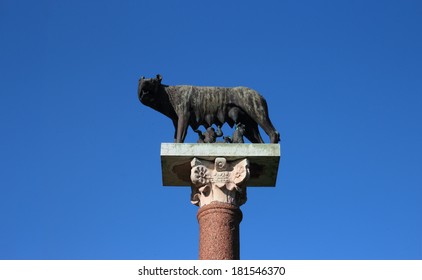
x,y
80,174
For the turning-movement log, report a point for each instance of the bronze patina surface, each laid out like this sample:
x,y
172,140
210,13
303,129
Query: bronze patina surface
x,y
197,105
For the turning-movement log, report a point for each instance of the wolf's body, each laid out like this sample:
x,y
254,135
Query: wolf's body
x,y
197,105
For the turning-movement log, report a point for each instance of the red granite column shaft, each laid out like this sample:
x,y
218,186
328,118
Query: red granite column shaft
x,y
219,231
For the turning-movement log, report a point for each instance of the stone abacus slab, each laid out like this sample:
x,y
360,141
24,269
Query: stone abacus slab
x,y
263,161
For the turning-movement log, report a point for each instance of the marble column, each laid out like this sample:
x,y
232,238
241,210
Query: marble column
x,y
219,188
219,231
218,175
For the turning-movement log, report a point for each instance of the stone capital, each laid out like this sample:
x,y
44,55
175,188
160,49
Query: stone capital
x,y
219,180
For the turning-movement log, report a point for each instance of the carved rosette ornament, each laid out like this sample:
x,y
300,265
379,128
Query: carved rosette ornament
x,y
220,181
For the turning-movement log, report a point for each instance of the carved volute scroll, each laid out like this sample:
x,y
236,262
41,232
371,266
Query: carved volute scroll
x,y
219,180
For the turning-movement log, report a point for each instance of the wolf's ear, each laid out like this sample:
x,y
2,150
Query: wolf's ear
x,y
159,78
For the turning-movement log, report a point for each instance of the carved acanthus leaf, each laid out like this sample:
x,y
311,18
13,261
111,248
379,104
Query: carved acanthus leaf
x,y
219,181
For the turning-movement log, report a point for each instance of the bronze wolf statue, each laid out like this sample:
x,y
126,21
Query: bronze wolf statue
x,y
197,105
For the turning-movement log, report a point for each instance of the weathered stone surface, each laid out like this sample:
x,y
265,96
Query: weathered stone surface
x,y
219,231
263,161
219,174
220,181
